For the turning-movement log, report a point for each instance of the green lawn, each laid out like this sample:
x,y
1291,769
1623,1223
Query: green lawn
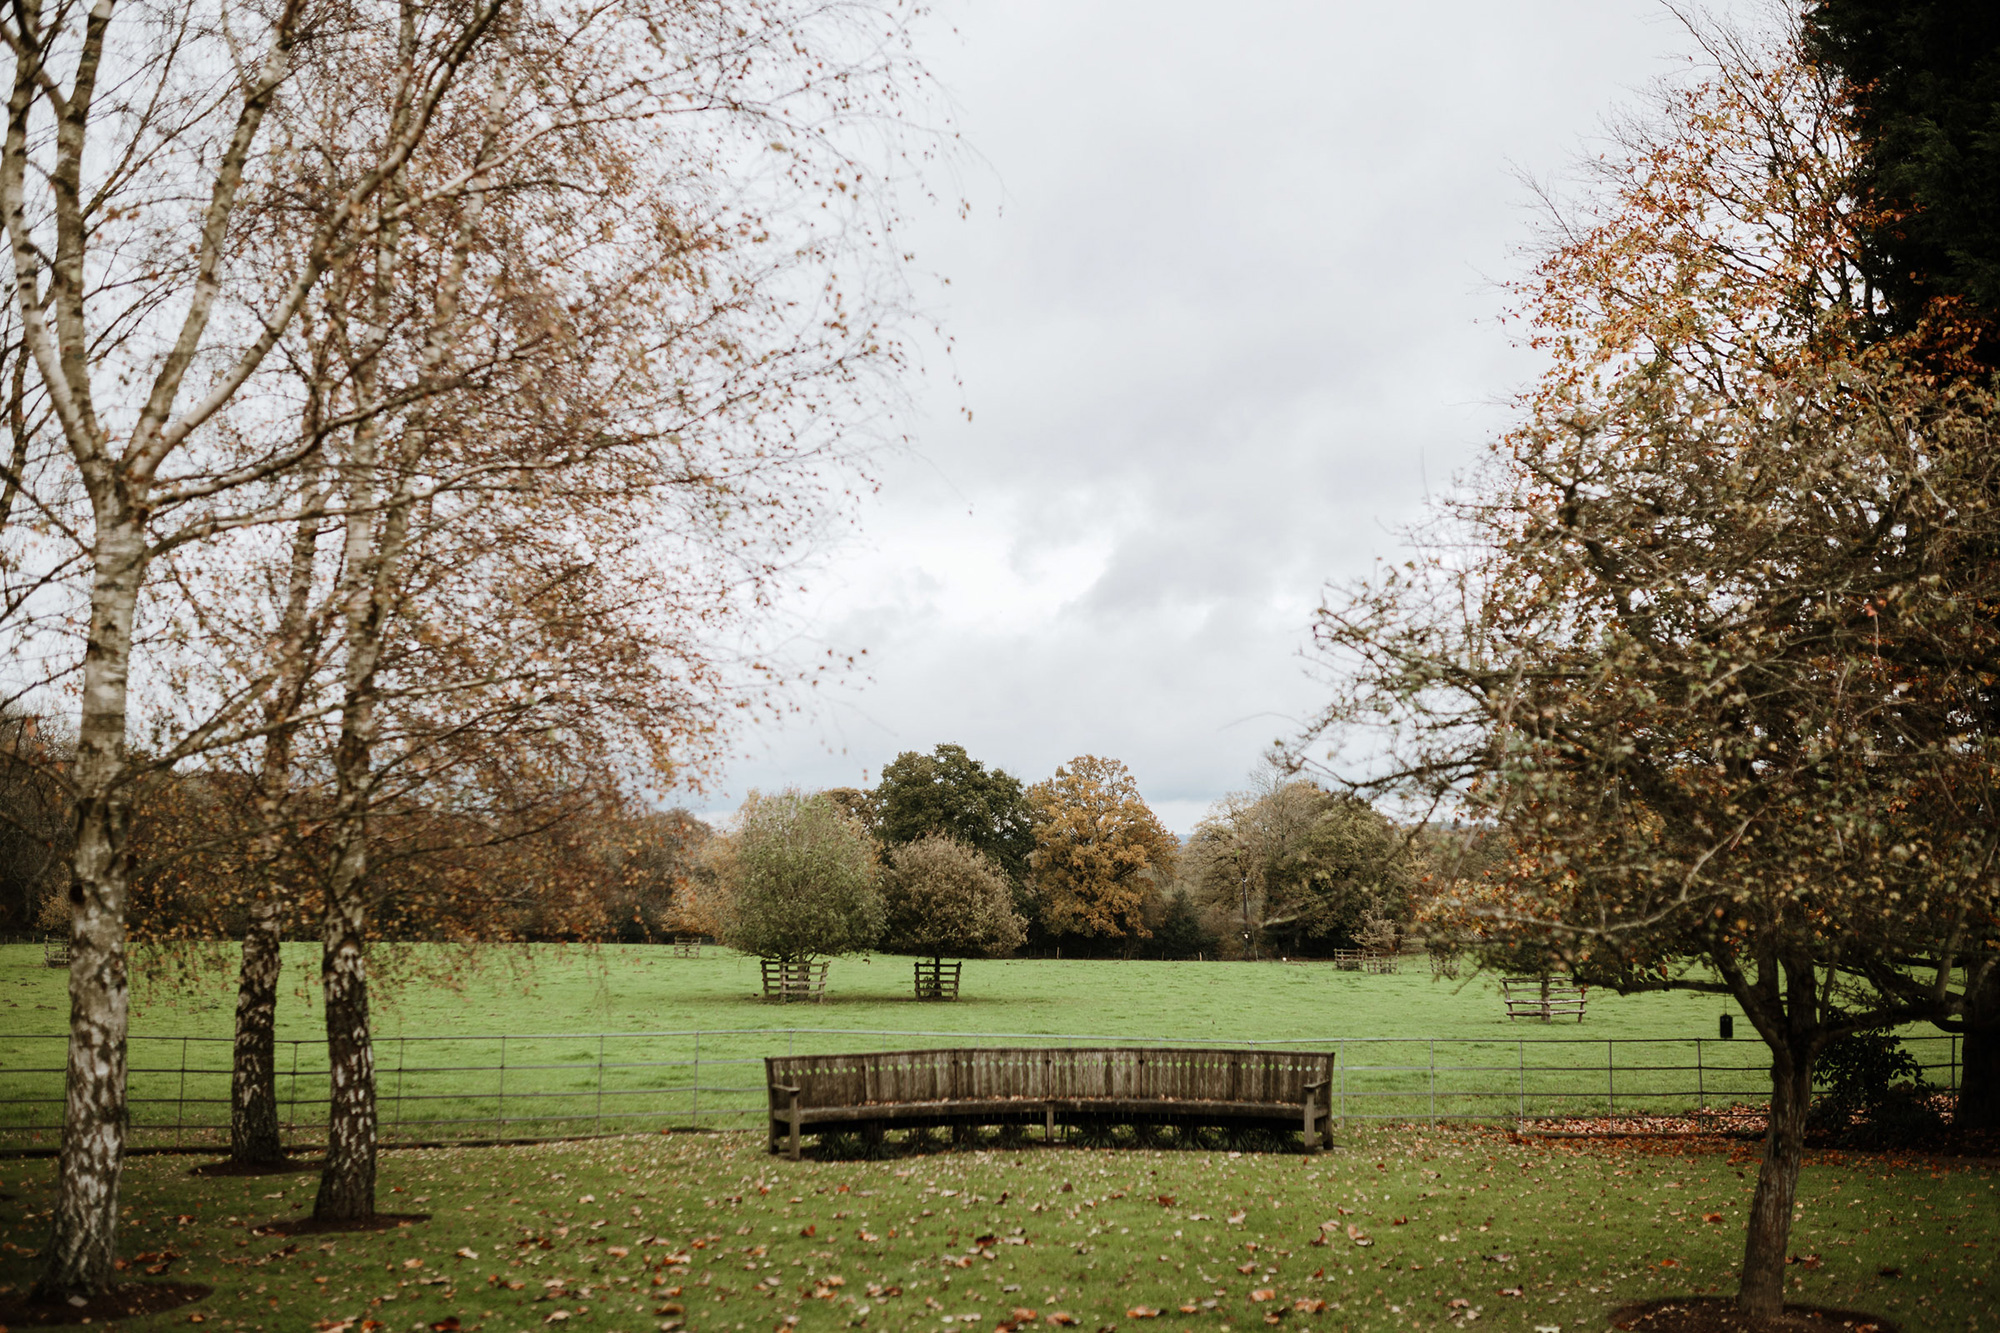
x,y
708,1232
1409,1046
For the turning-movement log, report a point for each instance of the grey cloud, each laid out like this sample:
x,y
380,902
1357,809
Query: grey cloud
x,y
1221,315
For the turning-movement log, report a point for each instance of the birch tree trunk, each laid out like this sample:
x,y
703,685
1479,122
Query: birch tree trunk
x,y
254,1137
82,1242
347,1182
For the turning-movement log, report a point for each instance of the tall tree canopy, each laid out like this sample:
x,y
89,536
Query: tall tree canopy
x,y
1924,77
948,791
1302,869
1101,855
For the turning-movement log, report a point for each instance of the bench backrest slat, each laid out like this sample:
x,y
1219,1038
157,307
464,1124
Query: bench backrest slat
x,y
1059,1073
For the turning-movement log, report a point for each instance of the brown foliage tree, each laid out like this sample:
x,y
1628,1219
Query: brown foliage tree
x,y
1101,856
1705,646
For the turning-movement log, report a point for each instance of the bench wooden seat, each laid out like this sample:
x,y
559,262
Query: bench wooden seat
x,y
1546,998
1280,1090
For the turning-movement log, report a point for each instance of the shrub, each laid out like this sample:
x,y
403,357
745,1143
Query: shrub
x,y
1870,1092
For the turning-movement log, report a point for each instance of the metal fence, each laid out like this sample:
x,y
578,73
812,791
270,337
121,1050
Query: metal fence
x,y
522,1086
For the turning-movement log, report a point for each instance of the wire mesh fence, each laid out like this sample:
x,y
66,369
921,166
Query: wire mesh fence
x,y
522,1086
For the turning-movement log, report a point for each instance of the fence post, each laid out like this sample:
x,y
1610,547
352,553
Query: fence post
x,y
402,1058
1521,1099
694,1111
1700,1091
500,1101
1434,1082
598,1121
180,1099
1610,1078
294,1121
1343,1085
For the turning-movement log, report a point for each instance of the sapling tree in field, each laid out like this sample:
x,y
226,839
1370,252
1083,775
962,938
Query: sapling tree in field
x,y
942,897
801,880
1703,646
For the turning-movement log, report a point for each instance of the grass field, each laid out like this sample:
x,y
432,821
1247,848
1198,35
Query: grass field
x,y
706,1233
1409,1047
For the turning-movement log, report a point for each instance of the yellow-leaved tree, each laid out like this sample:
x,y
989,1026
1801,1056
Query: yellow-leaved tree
x,y
1100,853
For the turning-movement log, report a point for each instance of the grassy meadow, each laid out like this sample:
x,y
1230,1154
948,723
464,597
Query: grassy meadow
x,y
705,1233
503,1043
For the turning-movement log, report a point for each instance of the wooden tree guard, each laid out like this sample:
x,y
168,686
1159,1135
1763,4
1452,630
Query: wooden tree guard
x,y
1364,960
804,979
937,979
55,951
687,946
1546,998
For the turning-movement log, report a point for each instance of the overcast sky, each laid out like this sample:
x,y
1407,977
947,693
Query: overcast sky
x,y
1224,308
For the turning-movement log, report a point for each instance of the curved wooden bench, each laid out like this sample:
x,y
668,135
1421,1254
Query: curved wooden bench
x,y
1280,1090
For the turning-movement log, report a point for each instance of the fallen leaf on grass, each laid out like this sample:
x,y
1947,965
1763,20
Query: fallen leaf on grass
x,y
1510,1291
1309,1305
1401,1221
1023,1315
1166,1201
464,1253
1263,1294
1357,1235
1711,1217
448,1324
1064,1318
556,1316
1143,1312
866,1237
1236,1218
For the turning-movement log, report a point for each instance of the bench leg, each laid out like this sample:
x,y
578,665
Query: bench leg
x,y
1311,1133
795,1117
1049,1122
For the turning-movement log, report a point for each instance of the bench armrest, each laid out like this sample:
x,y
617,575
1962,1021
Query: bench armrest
x,y
787,1089
1317,1084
